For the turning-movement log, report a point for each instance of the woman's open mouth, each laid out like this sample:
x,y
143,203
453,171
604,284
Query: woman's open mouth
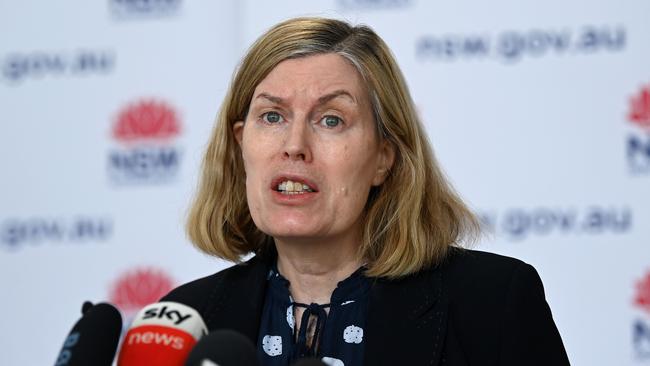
x,y
291,187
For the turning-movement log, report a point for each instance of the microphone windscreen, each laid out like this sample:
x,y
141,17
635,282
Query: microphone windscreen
x,y
93,339
310,362
161,334
223,348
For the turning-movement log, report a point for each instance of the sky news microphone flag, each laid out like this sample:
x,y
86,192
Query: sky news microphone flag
x,y
161,334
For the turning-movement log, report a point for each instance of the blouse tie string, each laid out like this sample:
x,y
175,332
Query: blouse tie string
x,y
318,311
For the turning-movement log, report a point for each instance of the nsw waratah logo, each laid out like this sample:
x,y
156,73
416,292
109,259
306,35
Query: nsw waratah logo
x,y
139,287
640,108
641,326
144,133
642,299
638,139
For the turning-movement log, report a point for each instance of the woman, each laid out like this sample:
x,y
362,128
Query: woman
x,y
319,166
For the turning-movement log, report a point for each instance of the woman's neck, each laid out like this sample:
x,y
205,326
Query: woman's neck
x,y
314,270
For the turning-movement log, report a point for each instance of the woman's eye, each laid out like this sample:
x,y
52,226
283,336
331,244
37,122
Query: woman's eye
x,y
272,117
331,121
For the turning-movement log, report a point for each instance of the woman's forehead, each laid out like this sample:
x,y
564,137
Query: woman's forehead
x,y
319,77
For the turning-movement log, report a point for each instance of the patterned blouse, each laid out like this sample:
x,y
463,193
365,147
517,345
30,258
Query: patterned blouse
x,y
338,335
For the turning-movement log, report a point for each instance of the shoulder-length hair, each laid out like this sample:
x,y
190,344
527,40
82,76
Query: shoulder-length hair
x,y
410,221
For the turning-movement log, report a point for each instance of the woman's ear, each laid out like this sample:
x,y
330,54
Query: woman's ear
x,y
238,130
386,160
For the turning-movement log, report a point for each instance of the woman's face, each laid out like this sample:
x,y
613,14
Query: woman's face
x,y
311,150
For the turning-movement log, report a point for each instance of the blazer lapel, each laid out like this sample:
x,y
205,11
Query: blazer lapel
x,y
407,321
238,299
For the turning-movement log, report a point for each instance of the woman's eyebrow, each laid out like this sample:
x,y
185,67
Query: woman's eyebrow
x,y
321,100
336,94
271,98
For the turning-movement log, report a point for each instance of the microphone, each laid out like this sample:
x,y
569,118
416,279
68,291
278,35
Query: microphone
x,y
223,348
161,334
93,339
310,362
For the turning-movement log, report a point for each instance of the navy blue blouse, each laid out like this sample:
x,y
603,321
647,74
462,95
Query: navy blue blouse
x,y
338,336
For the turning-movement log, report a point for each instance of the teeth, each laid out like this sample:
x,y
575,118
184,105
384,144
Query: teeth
x,y
289,187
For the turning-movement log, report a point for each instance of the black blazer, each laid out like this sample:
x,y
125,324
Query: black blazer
x,y
475,308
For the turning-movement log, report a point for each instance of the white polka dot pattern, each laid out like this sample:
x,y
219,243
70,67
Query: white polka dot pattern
x,y
331,361
353,334
290,319
272,345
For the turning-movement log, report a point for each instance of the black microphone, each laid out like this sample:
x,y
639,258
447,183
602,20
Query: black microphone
x,y
223,348
93,339
310,362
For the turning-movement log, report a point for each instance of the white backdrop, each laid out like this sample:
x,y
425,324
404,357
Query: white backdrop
x,y
539,113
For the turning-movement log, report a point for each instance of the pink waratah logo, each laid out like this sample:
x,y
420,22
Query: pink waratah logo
x,y
146,119
639,113
139,287
642,299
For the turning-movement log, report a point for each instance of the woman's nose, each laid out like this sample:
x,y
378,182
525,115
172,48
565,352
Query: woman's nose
x,y
297,144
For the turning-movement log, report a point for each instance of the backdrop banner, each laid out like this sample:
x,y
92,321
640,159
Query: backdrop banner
x,y
538,113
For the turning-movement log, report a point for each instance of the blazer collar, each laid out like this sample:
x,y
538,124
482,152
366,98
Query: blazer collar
x,y
239,298
407,318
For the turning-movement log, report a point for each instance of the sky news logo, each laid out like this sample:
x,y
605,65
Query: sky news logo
x,y
145,132
138,287
512,46
129,9
38,65
16,234
518,224
638,139
641,326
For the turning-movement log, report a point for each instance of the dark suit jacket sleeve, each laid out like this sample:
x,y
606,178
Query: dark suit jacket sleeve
x,y
529,335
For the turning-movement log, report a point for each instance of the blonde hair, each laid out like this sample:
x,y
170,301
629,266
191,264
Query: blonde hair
x,y
410,221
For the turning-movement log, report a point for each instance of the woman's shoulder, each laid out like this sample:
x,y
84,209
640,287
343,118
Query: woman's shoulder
x,y
463,263
498,303
482,275
482,283
476,262
198,292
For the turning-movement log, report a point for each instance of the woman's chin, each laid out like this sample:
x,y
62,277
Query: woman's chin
x,y
293,235
283,225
